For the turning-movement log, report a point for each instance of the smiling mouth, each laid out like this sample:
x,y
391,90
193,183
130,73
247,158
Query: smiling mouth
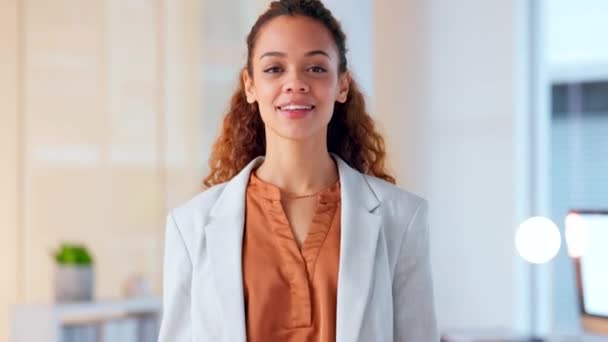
x,y
295,111
295,107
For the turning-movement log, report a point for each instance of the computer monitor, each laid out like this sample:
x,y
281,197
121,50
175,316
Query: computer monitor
x,y
587,237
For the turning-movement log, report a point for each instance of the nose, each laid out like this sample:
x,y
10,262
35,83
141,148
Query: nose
x,y
295,84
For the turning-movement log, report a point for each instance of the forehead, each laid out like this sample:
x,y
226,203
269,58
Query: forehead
x,y
294,35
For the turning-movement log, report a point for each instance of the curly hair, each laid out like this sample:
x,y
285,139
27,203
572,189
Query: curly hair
x,y
351,133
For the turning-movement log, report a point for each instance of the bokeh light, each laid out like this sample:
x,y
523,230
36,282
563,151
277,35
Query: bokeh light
x,y
537,240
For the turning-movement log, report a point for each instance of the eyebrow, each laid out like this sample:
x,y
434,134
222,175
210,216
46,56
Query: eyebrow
x,y
283,54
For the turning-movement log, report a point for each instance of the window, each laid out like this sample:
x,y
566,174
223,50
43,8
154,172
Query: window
x,y
579,172
576,64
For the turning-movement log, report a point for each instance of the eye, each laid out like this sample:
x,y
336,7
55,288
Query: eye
x,y
317,69
273,70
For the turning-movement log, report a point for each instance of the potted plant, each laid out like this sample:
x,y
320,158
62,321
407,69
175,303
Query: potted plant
x,y
74,276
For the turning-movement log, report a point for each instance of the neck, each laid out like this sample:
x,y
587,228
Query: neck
x,y
298,166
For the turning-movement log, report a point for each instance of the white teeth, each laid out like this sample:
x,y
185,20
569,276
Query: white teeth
x,y
295,107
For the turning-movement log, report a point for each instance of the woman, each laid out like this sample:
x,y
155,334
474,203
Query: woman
x,y
301,234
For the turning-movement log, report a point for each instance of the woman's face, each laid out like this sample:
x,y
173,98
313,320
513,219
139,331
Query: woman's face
x,y
295,79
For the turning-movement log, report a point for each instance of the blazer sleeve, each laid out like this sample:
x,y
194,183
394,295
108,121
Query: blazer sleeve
x,y
176,325
412,284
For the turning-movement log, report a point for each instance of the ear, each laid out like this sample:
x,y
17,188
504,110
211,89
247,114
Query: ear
x,y
343,87
248,85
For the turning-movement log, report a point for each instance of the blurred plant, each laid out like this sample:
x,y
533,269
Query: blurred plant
x,y
72,254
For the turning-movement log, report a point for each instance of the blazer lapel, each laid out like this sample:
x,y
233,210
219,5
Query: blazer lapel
x,y
359,238
224,235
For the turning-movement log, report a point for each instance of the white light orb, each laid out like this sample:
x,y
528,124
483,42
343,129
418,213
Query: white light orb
x,y
537,240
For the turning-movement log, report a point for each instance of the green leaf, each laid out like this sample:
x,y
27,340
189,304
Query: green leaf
x,y
73,254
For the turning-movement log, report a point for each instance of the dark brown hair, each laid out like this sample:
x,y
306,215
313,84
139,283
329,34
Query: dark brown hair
x,y
351,132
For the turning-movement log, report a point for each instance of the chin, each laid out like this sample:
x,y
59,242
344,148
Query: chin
x,y
300,133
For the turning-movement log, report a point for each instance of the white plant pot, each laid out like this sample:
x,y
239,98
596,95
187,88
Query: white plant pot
x,y
74,283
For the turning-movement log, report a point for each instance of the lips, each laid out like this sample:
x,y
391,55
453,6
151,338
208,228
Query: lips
x,y
295,107
295,110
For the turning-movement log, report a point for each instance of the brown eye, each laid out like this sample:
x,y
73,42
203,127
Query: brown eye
x,y
317,69
272,70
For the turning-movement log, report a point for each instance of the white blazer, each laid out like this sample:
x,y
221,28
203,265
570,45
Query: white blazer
x,y
385,291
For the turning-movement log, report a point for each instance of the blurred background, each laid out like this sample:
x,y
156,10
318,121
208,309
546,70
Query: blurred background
x,y
496,111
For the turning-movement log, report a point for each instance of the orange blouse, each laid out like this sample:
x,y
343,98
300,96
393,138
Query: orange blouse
x,y
290,294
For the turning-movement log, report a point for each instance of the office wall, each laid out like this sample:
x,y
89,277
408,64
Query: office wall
x,y
184,117
91,150
357,21
449,88
100,135
9,158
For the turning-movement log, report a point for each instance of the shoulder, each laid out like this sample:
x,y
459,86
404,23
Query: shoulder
x,y
194,212
396,202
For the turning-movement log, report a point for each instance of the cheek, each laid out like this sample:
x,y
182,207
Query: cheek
x,y
327,93
269,92
265,88
267,96
330,89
